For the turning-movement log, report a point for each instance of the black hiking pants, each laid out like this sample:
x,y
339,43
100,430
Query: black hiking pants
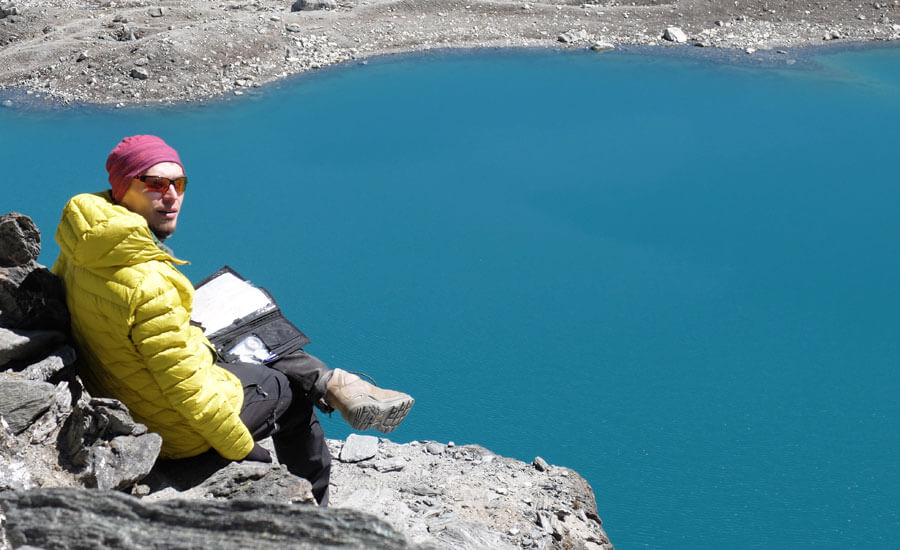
x,y
278,402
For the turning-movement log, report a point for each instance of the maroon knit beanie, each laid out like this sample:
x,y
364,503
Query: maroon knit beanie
x,y
132,156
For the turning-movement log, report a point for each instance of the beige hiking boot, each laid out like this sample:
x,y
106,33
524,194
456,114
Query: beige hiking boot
x,y
365,406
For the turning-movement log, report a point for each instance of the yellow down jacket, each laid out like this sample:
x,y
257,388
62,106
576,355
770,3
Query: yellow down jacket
x,y
131,310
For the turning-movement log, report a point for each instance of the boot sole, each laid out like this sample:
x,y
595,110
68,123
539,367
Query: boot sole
x,y
383,416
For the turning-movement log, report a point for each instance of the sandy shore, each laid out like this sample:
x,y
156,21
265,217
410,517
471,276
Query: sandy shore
x,y
134,51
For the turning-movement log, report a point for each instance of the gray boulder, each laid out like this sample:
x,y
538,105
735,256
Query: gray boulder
x,y
675,34
210,477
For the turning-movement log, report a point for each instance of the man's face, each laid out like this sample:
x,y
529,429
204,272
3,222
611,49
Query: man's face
x,y
159,209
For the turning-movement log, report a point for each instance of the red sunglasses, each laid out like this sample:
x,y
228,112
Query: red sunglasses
x,y
159,184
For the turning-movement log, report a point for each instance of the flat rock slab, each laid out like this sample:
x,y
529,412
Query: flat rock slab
x,y
77,518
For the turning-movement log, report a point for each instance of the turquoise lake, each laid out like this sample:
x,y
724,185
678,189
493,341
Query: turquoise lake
x,y
677,275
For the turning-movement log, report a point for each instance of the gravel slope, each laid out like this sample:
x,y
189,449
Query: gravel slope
x,y
134,51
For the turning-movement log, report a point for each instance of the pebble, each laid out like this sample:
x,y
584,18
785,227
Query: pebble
x,y
434,448
140,73
540,464
7,103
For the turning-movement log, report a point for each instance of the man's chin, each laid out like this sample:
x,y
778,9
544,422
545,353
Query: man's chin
x,y
163,232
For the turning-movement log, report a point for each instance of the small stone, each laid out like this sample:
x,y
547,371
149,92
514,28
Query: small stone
x,y
573,35
675,34
434,448
82,56
750,50
140,73
540,464
358,448
293,27
157,12
861,17
141,61
7,103
720,23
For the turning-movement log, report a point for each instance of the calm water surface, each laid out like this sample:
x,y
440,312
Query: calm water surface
x,y
676,276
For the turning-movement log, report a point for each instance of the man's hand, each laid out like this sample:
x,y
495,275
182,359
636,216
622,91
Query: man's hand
x,y
258,454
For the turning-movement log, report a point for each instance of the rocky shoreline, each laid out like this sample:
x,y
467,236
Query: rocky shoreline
x,y
124,52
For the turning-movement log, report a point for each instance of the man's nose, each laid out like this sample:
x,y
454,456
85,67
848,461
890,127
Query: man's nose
x,y
171,193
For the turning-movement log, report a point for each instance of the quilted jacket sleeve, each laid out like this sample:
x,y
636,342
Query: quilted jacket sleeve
x,y
183,367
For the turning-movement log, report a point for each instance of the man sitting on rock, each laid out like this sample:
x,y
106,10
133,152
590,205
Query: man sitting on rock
x,y
131,312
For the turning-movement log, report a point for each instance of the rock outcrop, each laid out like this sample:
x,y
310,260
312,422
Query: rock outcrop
x,y
77,471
